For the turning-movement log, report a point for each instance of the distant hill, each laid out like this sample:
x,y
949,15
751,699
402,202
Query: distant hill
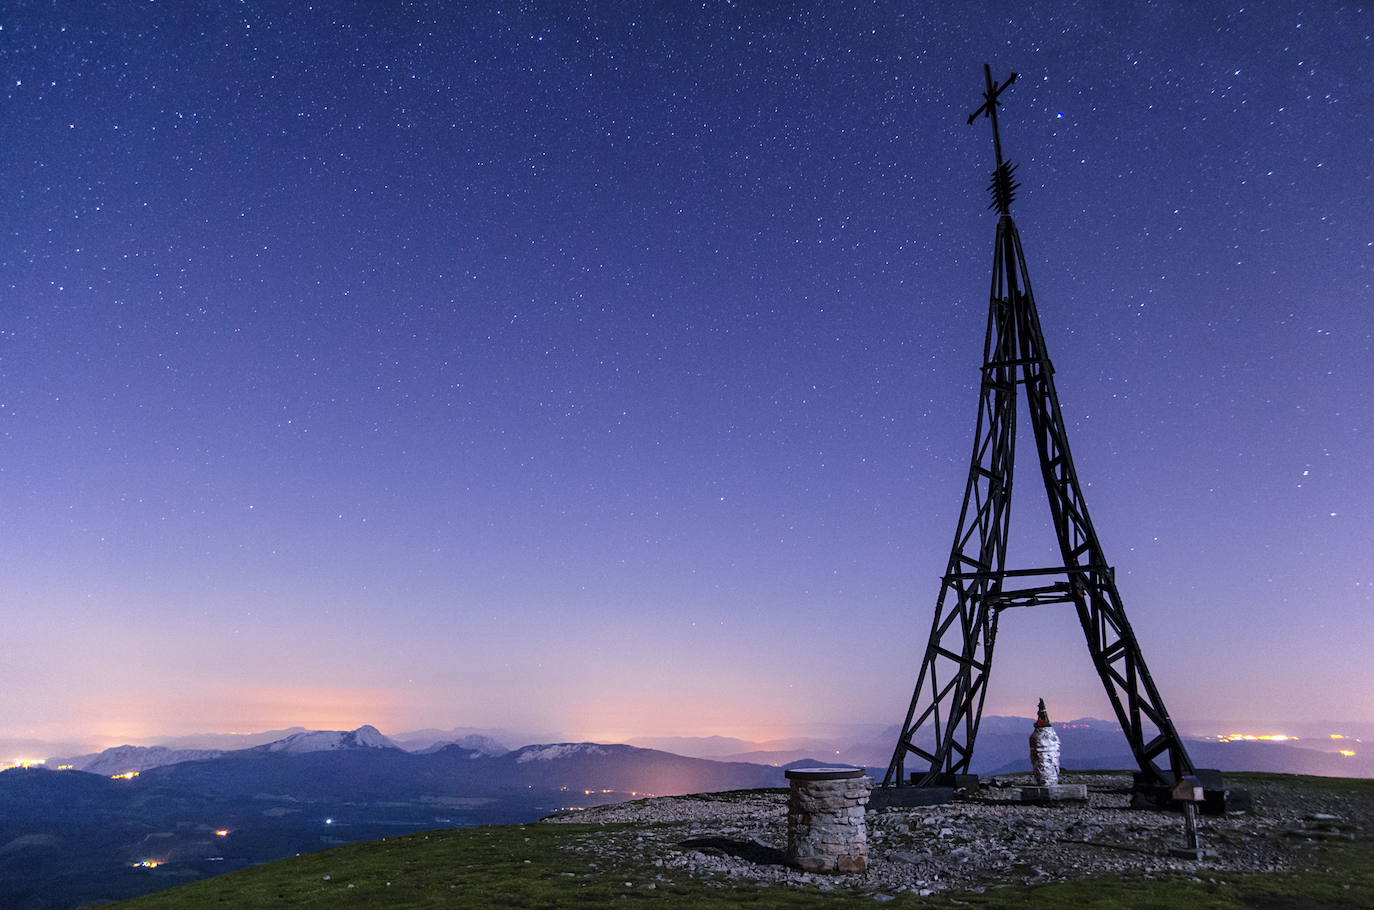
x,y
695,746
475,742
364,765
225,742
626,768
389,774
1280,757
365,737
777,759
40,796
498,739
1091,743
121,759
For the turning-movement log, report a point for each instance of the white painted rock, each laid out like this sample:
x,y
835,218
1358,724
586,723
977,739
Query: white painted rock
x,y
1044,755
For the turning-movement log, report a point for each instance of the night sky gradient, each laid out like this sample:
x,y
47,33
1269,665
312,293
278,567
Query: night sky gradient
x,y
611,368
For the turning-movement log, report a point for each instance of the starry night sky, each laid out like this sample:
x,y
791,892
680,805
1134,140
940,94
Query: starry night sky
x,y
611,368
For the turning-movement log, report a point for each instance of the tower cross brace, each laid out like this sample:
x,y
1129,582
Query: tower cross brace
x,y
951,685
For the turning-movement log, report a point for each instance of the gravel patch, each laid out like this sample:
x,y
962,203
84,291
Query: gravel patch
x,y
974,844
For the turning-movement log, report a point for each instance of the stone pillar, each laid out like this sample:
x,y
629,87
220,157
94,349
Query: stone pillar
x,y
825,819
1044,749
1044,755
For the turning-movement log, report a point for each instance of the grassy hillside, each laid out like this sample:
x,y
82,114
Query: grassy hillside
x,y
527,866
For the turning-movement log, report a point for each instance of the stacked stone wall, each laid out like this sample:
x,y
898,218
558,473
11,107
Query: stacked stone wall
x,y
825,825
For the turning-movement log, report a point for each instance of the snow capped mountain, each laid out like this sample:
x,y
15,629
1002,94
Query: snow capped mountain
x,y
120,759
558,750
480,746
415,740
226,742
365,737
449,749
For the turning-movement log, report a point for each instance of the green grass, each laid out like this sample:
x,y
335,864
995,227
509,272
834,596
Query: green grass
x,y
527,866
498,866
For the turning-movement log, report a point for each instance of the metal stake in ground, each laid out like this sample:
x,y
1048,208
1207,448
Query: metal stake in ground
x,y
1189,792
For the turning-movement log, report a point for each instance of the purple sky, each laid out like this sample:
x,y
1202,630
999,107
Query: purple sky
x,y
612,369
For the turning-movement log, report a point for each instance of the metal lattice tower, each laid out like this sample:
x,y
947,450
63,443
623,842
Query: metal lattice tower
x,y
953,679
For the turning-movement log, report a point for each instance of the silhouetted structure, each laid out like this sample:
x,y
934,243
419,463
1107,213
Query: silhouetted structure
x,y
952,683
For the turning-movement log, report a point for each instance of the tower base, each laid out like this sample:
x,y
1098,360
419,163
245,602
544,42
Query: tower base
x,y
906,797
1218,797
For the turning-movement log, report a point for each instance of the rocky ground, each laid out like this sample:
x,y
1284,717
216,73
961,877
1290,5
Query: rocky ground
x,y
974,844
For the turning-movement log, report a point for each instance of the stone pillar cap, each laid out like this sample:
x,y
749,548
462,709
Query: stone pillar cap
x,y
824,773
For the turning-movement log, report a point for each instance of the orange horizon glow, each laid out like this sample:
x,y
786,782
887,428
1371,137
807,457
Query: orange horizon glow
x,y
144,716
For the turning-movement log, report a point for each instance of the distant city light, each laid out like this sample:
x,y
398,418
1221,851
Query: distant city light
x,y
1348,753
1338,736
329,821
1256,737
148,863
127,775
27,763
221,832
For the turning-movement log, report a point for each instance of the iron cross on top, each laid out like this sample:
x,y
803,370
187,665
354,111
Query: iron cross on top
x,y
1003,186
989,107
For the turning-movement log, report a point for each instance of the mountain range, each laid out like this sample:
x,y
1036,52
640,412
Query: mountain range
x,y
70,836
1087,743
